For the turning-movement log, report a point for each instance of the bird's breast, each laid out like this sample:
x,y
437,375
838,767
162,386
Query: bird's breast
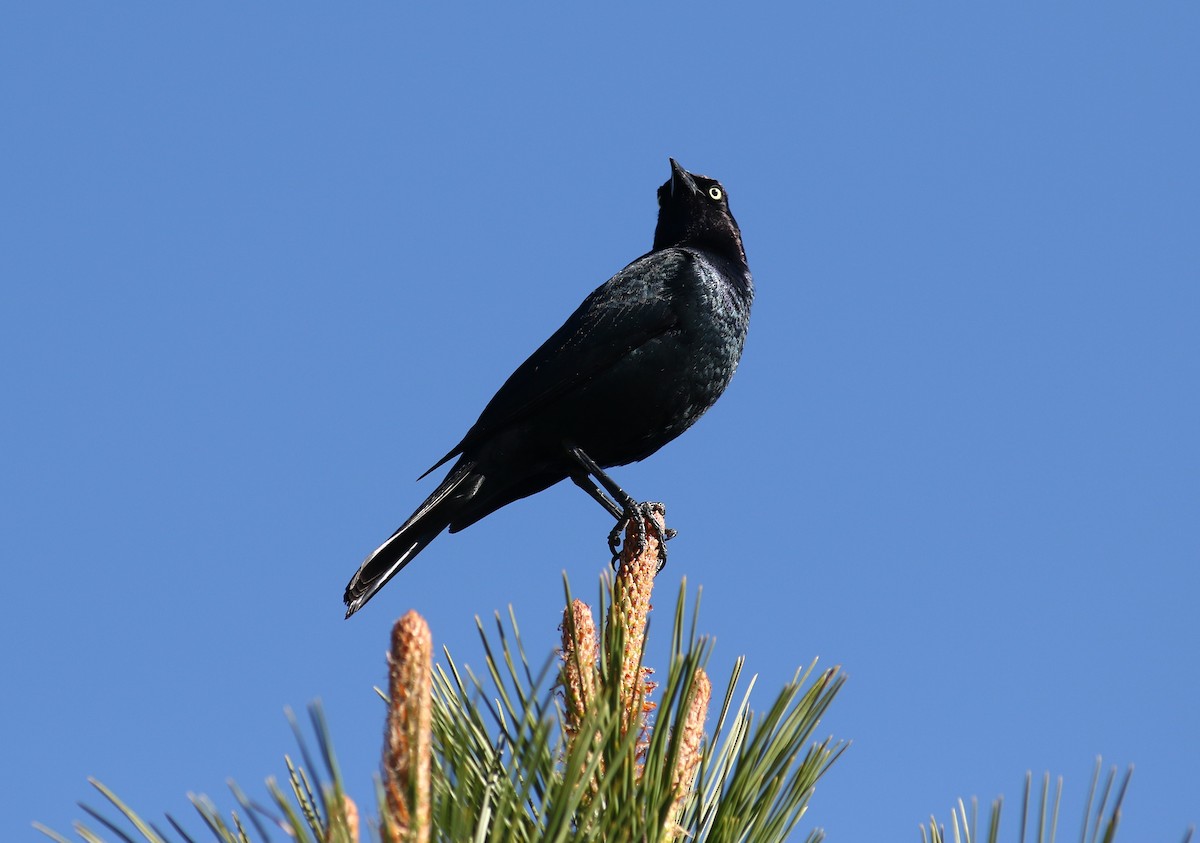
x,y
660,389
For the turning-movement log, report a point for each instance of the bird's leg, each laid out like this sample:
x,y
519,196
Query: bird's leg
x,y
584,481
621,506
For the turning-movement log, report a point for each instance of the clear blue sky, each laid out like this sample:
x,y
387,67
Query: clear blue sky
x,y
262,266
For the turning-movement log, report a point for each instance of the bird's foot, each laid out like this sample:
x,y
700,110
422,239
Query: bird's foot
x,y
614,542
651,515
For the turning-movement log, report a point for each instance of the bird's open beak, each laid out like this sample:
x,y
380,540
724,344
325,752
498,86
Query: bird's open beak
x,y
681,178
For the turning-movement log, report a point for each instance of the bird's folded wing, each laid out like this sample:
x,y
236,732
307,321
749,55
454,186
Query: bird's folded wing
x,y
633,307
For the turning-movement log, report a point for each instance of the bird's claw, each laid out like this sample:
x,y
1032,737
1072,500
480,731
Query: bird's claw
x,y
651,512
614,542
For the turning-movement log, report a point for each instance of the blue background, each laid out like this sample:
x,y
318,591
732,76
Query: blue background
x,y
262,266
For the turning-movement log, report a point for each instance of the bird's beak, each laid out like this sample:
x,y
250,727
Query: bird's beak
x,y
681,178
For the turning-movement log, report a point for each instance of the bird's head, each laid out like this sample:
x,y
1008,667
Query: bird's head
x,y
694,210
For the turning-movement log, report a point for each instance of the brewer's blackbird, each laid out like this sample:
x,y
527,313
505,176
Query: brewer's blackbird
x,y
640,360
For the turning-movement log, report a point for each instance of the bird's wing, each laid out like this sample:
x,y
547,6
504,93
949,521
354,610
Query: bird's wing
x,y
631,308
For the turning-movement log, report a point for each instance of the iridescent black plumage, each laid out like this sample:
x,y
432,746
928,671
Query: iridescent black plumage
x,y
633,367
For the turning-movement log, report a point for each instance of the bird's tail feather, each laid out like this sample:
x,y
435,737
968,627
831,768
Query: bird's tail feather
x,y
430,519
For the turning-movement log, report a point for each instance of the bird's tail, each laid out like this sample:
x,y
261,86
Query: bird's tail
x,y
433,516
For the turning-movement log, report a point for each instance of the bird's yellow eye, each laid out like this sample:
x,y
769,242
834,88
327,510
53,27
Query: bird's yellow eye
x,y
715,193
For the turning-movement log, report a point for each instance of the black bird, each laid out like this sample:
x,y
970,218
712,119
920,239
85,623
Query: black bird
x,y
640,360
